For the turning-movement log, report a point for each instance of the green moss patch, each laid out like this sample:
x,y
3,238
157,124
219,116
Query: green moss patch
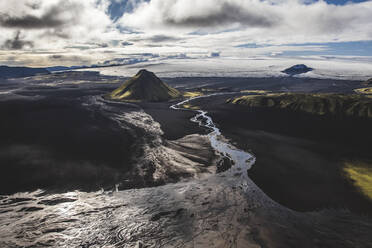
x,y
361,176
318,104
144,86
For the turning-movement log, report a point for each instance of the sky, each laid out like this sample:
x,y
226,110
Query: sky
x,y
41,33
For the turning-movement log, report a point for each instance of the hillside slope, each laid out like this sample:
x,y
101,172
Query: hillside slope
x,y
144,86
317,104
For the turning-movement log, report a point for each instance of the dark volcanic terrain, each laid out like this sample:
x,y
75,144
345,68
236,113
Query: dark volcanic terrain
x,y
19,72
300,157
79,170
60,134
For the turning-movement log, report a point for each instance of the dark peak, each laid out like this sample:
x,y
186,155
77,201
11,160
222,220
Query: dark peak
x,y
297,69
17,72
300,66
145,86
145,73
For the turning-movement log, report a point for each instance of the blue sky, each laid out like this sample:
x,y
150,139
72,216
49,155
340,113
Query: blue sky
x,y
356,48
352,48
342,2
75,32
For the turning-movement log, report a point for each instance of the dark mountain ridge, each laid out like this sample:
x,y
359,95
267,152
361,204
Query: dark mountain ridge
x,y
297,69
18,72
343,106
368,82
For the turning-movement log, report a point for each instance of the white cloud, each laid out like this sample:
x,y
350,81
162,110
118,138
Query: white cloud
x,y
256,20
32,31
53,23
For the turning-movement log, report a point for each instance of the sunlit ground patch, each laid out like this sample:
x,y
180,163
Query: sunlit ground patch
x,y
190,94
367,91
190,106
255,91
361,175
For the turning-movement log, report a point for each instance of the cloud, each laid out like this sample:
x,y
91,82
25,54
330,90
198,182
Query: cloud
x,y
17,43
126,43
162,38
56,26
104,30
123,61
200,14
56,57
177,56
57,15
56,32
226,13
256,19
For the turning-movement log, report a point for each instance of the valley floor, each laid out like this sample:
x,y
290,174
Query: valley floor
x,y
278,206
300,161
220,211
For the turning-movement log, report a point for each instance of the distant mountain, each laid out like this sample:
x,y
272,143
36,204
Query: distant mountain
x,y
297,69
368,82
17,72
57,68
65,68
145,86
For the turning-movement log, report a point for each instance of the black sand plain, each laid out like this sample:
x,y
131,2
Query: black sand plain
x,y
299,157
55,137
58,137
51,140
